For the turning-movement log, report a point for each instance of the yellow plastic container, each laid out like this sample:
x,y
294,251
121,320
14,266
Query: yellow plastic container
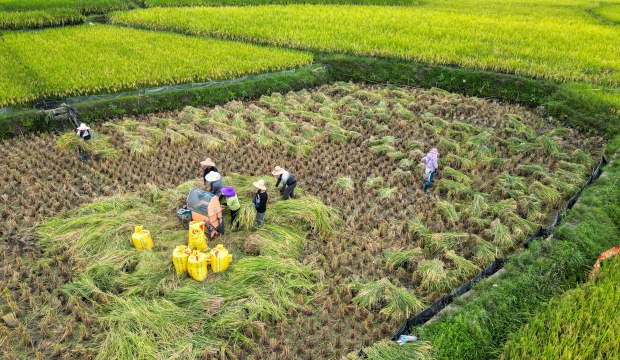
x,y
142,238
179,258
220,258
197,265
197,238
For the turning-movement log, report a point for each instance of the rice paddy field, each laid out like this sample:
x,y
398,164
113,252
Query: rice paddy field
x,y
109,59
334,270
551,40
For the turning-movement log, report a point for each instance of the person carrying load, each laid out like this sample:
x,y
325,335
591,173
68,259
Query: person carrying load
x,y
209,167
288,182
431,161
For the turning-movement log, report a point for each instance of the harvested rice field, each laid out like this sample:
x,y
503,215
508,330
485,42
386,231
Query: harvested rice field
x,y
333,270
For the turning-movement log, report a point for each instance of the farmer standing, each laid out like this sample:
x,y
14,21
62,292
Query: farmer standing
x,y
232,201
260,201
431,161
214,183
209,166
288,182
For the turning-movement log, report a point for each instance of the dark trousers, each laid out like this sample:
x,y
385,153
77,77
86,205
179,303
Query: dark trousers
x,y
430,180
233,217
289,191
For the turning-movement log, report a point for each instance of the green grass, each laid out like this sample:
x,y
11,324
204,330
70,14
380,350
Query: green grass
x,y
576,325
43,63
570,44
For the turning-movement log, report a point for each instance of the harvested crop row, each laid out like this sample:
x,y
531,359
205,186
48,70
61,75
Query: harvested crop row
x,y
503,169
568,46
110,59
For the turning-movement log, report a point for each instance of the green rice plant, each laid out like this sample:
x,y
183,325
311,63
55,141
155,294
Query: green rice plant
x,y
484,252
448,211
509,185
522,228
446,145
454,188
417,228
478,206
99,145
86,8
382,127
442,242
433,276
246,218
309,211
381,141
403,258
166,60
459,162
456,175
532,169
465,269
396,155
405,175
504,209
381,149
279,241
560,185
500,234
476,141
569,177
147,329
263,141
572,167
405,163
393,301
175,137
374,182
16,20
413,144
345,184
549,145
548,195
386,193
387,349
195,299
525,148
583,158
518,126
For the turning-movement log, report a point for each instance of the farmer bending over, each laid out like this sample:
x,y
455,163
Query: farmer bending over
x,y
288,182
431,162
214,183
260,201
209,166
83,132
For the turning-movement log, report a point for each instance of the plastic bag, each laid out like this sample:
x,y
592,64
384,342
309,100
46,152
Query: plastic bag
x,y
197,238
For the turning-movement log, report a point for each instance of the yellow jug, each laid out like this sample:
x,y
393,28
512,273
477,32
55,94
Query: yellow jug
x,y
197,238
179,258
142,238
197,265
220,258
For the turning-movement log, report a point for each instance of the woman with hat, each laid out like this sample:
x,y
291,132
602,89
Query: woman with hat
x,y
209,166
260,201
215,183
83,133
232,201
431,161
288,182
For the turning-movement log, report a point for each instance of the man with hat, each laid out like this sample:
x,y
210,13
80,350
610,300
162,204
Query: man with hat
x,y
260,201
288,182
215,183
209,166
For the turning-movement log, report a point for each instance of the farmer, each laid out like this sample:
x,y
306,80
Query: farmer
x,y
83,133
209,166
431,162
260,201
214,183
288,182
232,201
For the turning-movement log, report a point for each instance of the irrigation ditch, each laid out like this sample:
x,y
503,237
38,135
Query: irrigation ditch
x,y
542,232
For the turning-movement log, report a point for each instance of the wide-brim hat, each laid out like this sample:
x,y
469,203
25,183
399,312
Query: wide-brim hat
x,y
83,127
228,191
207,162
212,176
260,184
277,171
